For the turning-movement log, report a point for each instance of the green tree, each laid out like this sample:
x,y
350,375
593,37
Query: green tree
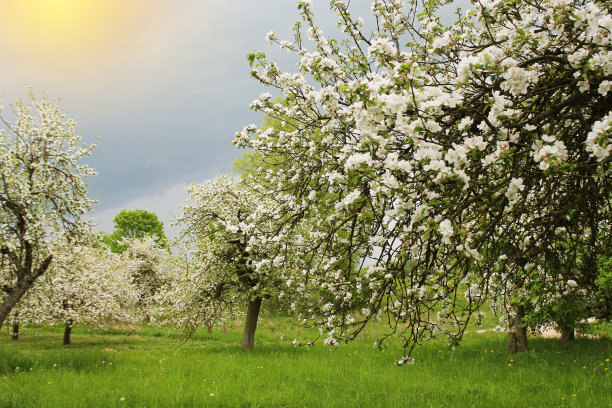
x,y
135,224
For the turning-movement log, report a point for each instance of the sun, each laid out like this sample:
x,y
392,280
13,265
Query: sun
x,y
57,27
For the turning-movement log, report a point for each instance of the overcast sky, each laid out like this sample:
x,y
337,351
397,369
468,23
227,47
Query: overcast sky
x,y
163,84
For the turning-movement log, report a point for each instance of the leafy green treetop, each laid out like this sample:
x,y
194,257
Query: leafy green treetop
x,y
135,224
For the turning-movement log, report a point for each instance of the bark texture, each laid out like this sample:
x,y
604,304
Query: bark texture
x,y
517,338
15,294
248,338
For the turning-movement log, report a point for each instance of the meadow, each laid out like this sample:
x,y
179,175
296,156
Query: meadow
x,y
150,367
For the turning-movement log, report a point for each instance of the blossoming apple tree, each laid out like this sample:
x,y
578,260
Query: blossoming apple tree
x,y
444,165
238,256
155,267
88,285
191,298
42,194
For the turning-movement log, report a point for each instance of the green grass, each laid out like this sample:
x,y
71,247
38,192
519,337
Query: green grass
x,y
151,368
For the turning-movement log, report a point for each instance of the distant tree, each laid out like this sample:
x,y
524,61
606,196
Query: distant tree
x,y
603,283
85,285
135,224
42,194
572,296
155,269
236,257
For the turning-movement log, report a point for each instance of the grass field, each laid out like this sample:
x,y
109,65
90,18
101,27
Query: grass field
x,y
151,368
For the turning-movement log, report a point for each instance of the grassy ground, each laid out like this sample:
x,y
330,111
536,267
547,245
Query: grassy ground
x,y
151,368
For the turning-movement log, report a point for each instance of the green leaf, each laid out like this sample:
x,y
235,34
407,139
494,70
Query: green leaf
x,y
354,179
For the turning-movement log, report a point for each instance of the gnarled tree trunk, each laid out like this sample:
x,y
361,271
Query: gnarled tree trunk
x,y
248,337
25,281
14,295
517,338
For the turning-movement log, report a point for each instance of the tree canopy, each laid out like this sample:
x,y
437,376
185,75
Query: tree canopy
x,y
135,224
449,165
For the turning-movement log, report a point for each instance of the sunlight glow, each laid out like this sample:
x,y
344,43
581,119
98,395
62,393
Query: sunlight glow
x,y
60,27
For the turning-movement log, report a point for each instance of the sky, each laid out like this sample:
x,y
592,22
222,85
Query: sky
x,y
160,86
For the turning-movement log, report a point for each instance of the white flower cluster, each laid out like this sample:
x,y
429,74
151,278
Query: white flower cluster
x,y
515,187
549,152
599,140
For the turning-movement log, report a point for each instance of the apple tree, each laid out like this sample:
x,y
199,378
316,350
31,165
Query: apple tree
x,y
43,196
87,285
238,256
441,166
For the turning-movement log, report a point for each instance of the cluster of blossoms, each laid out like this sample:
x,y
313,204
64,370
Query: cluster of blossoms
x,y
447,163
598,140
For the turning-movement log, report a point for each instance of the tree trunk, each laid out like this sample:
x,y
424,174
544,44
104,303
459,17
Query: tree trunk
x,y
15,334
567,335
517,338
67,331
248,338
15,294
224,329
12,299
